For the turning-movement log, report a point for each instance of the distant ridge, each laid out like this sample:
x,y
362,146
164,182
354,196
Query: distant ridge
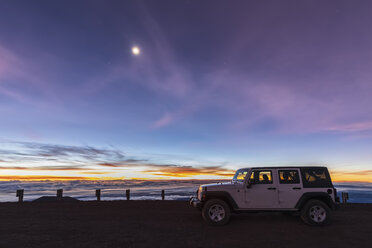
x,y
55,199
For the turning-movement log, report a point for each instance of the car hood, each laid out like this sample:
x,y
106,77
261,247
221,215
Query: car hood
x,y
217,186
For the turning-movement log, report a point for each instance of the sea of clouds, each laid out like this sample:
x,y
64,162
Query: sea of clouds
x,y
140,189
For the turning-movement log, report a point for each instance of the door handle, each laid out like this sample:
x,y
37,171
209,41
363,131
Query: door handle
x,y
297,188
271,188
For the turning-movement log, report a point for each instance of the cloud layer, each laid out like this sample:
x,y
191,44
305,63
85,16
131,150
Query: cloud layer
x,y
91,161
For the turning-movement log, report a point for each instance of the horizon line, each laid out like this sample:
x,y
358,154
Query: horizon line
x,y
64,178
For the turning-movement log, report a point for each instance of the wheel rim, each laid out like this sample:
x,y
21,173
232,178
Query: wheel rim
x,y
318,214
216,212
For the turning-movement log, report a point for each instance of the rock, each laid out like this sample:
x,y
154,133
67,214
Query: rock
x,y
55,199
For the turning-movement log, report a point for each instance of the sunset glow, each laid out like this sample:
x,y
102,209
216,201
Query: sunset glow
x,y
224,175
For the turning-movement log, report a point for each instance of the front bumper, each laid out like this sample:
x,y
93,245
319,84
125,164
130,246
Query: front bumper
x,y
195,202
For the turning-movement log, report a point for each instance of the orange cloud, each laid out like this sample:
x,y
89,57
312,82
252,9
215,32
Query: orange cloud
x,y
114,165
352,176
186,171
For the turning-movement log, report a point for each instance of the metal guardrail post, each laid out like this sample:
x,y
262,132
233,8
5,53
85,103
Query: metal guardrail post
x,y
98,194
127,193
19,194
59,194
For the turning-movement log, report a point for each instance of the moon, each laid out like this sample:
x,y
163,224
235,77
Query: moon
x,y
136,50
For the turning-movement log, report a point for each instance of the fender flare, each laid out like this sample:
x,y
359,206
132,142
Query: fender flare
x,y
326,198
223,196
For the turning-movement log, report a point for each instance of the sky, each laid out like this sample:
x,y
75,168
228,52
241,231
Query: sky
x,y
184,89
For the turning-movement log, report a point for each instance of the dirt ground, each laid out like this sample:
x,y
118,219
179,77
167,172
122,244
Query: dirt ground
x,y
171,224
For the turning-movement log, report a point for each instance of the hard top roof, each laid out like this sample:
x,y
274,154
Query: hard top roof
x,y
286,167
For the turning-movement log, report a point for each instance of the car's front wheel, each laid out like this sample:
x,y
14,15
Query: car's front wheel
x,y
316,213
216,212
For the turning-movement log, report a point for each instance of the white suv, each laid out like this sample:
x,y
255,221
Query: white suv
x,y
308,190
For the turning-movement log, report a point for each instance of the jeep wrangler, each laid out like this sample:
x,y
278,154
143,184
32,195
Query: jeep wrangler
x,y
305,190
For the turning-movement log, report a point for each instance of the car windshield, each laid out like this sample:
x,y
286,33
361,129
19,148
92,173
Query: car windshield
x,y
240,175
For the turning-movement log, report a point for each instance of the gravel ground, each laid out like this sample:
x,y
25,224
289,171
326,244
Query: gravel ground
x,y
171,224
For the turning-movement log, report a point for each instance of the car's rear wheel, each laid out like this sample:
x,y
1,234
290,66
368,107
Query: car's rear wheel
x,y
216,212
316,213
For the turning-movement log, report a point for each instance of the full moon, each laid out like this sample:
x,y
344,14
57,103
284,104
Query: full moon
x,y
136,50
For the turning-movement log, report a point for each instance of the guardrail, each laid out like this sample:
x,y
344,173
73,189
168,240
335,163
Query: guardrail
x,y
20,194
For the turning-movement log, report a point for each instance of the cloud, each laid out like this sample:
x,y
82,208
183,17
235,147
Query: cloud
x,y
173,170
351,176
352,127
182,171
358,173
100,161
123,163
89,159
31,156
164,121
43,178
113,165
8,61
364,172
31,151
24,73
9,67
42,168
95,172
52,150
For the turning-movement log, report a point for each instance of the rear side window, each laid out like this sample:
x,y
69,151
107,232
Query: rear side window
x,y
289,176
316,178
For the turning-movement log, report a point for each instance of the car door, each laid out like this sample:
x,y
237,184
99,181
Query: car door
x,y
290,187
262,193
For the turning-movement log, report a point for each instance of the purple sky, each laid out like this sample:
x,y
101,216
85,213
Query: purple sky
x,y
217,83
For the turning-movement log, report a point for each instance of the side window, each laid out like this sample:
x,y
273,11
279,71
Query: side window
x,y
316,178
288,176
241,176
312,176
263,177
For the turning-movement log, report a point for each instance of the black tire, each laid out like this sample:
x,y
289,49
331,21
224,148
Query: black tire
x,y
216,212
316,213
